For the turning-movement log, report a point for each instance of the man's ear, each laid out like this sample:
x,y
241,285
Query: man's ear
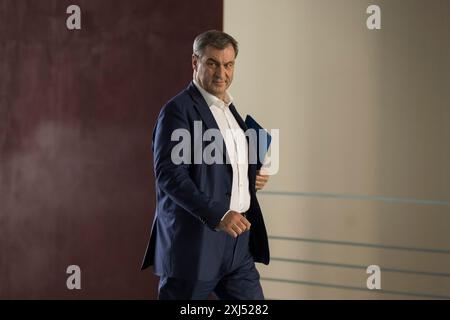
x,y
194,62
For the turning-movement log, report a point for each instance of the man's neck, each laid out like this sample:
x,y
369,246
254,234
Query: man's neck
x,y
225,98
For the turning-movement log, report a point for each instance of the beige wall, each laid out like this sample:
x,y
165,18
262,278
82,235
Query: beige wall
x,y
364,119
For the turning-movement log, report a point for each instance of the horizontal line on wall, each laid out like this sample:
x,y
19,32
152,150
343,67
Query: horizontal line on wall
x,y
358,244
357,197
352,266
334,286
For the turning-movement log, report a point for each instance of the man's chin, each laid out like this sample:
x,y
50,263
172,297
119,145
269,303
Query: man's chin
x,y
219,89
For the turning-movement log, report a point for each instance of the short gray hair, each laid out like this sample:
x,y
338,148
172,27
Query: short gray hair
x,y
217,39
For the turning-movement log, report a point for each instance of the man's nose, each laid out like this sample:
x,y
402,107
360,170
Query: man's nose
x,y
220,72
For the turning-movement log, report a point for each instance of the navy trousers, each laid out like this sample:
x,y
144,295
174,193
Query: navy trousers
x,y
239,280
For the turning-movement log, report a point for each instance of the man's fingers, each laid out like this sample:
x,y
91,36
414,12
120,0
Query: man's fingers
x,y
242,227
259,185
261,181
262,178
231,232
235,224
237,229
246,222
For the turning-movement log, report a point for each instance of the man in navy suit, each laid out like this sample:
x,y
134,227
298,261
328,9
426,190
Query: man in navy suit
x,y
208,230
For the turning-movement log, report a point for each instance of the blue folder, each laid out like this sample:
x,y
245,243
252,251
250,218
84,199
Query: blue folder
x,y
262,146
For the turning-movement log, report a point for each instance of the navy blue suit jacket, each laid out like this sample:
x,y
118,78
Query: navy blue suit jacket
x,y
192,199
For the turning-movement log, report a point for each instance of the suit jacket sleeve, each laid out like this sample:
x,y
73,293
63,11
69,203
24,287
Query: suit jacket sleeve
x,y
174,179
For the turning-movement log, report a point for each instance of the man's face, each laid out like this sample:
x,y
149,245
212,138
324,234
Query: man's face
x,y
214,69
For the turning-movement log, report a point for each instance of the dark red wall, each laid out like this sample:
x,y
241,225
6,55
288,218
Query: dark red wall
x,y
77,109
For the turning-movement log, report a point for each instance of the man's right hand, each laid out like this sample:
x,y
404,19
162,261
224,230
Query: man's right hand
x,y
234,224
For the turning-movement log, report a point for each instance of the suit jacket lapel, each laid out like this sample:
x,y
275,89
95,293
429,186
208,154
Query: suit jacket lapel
x,y
251,167
207,116
238,117
202,107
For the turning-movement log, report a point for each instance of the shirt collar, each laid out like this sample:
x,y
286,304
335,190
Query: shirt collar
x,y
212,100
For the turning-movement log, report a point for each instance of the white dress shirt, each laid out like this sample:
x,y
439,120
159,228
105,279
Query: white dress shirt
x,y
237,148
